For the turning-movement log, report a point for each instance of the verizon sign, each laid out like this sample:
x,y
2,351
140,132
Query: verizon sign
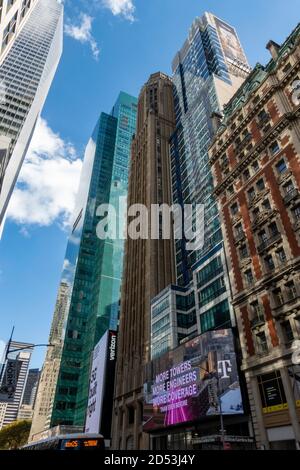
x,y
102,386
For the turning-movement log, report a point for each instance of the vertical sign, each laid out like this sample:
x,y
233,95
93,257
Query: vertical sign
x,y
97,379
9,382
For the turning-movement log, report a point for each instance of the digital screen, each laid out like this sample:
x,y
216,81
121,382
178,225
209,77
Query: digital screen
x,y
187,384
71,444
90,443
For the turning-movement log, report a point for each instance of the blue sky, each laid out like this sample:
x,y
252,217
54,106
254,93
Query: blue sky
x,y
109,45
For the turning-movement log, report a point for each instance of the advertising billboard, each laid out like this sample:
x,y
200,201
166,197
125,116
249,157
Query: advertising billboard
x,y
230,42
101,388
189,382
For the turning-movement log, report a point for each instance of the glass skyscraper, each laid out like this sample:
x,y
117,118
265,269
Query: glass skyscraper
x,y
93,267
26,73
207,71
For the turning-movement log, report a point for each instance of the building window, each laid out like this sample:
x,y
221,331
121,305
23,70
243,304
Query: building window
x,y
296,213
271,391
255,166
274,148
262,344
130,415
266,205
249,277
244,251
260,184
291,290
239,232
251,194
273,229
281,256
278,297
269,263
230,190
281,166
234,208
263,236
287,331
289,187
246,175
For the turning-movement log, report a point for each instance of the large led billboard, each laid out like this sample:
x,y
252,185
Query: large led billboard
x,y
189,383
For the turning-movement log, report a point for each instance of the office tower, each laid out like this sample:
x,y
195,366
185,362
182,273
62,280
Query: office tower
x,y
31,387
255,161
13,15
149,263
93,265
206,73
26,73
9,409
49,373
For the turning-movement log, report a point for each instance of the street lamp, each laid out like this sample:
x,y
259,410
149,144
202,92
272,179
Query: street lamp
x,y
9,351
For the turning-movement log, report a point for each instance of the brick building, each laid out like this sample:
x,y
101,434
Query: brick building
x,y
255,158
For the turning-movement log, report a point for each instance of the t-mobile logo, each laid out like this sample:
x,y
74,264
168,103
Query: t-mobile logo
x,y
224,367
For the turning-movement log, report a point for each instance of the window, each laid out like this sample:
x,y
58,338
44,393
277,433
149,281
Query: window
x,y
216,317
278,297
230,190
263,236
296,213
266,205
269,263
262,345
281,167
130,415
244,252
251,194
255,213
291,290
289,187
239,232
255,166
281,256
274,148
249,277
287,331
246,175
273,229
234,209
260,184
257,310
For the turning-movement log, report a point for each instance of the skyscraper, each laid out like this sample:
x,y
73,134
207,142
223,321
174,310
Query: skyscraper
x,y
13,16
49,374
149,264
31,47
93,266
9,410
207,71
255,161
31,387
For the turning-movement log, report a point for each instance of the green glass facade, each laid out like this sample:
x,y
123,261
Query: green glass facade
x,y
93,267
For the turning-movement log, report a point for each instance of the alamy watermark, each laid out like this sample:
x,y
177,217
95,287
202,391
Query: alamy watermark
x,y
160,222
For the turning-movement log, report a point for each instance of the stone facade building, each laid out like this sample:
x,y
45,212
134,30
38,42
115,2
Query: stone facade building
x,y
255,158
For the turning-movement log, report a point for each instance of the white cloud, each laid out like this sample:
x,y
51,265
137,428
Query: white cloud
x,y
125,8
83,33
47,186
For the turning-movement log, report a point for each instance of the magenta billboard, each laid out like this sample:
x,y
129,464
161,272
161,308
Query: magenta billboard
x,y
190,382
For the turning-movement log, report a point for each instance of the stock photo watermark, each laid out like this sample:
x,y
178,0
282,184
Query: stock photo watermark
x,y
160,222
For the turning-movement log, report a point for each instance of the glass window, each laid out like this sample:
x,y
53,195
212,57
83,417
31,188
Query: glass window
x,y
281,166
287,331
274,148
269,263
261,342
